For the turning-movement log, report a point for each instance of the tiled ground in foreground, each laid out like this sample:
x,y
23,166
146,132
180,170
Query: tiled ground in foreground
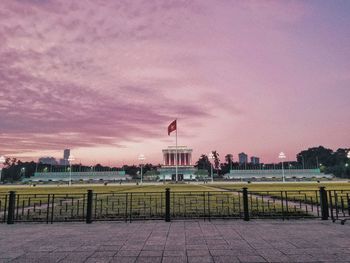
x,y
180,241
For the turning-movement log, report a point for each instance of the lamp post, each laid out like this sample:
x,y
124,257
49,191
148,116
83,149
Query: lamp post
x,y
2,161
348,155
282,156
23,172
141,158
211,157
70,160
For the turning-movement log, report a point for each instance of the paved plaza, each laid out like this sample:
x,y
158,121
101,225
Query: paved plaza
x,y
178,241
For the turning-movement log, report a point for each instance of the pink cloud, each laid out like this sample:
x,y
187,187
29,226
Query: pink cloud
x,y
239,75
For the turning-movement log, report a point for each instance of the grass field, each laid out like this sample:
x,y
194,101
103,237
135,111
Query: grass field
x,y
98,188
187,200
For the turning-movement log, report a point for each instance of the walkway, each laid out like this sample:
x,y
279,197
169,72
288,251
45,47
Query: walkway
x,y
180,241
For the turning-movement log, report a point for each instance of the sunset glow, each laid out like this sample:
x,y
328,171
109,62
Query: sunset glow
x,y
106,78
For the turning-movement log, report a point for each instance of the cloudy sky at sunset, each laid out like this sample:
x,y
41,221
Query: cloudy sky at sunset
x,y
105,78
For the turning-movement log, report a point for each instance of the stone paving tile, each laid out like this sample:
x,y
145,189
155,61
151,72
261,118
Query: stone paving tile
x,y
102,254
86,248
67,248
215,246
196,247
222,252
196,253
151,253
76,257
202,259
302,258
128,253
53,257
174,259
251,259
30,256
11,254
174,247
109,248
180,241
149,260
226,259
153,247
131,247
123,259
99,260
277,259
245,252
174,253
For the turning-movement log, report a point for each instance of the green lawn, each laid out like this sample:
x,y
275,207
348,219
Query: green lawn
x,y
64,189
187,200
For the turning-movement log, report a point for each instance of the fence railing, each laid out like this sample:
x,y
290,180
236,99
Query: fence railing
x,y
129,206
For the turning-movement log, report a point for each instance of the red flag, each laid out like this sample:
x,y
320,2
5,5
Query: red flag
x,y
172,127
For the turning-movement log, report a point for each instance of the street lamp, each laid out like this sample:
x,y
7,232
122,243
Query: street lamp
x,y
211,157
23,171
70,160
141,158
2,162
282,156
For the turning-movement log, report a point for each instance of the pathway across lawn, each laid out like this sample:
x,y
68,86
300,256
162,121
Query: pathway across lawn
x,y
180,241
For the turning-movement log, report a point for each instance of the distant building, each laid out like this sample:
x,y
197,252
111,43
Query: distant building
x,y
66,154
48,160
186,170
243,158
255,160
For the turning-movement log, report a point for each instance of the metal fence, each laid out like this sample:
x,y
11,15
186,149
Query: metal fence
x,y
129,206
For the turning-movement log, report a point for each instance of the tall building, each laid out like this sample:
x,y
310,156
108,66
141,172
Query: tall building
x,y
66,154
254,160
243,158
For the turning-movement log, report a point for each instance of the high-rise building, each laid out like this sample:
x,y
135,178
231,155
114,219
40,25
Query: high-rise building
x,y
254,160
243,158
66,154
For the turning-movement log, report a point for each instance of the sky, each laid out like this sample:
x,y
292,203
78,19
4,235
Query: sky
x,y
106,78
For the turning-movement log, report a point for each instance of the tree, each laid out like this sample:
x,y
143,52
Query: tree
x,y
335,163
312,157
203,163
216,159
229,159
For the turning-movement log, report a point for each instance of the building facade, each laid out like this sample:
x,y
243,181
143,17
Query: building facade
x,y
186,170
243,158
254,160
66,154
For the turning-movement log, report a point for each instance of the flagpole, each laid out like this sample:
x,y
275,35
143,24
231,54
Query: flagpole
x,y
176,152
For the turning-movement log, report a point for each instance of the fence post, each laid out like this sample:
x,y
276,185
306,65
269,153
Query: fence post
x,y
90,195
245,204
11,208
324,203
167,205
